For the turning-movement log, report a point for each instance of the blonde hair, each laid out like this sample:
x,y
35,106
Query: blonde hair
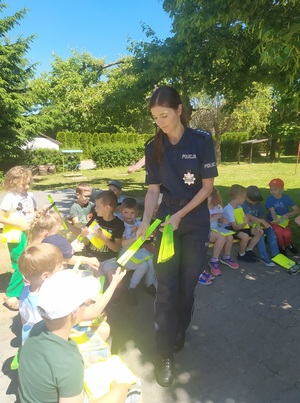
x,y
44,220
15,176
216,198
237,190
38,258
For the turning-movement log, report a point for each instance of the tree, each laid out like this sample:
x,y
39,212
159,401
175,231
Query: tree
x,y
14,88
237,42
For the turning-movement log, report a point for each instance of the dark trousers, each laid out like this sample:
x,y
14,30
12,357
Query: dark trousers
x,y
176,282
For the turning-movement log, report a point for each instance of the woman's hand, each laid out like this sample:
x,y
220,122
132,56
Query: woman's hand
x,y
174,220
141,231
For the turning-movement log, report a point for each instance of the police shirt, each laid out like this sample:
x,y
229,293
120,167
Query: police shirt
x,y
183,165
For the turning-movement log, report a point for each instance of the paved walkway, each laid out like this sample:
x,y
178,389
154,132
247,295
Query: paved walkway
x,y
242,345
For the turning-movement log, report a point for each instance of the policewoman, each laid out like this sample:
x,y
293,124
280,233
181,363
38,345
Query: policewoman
x,y
180,163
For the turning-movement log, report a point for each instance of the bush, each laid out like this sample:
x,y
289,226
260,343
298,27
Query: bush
x,y
114,155
46,156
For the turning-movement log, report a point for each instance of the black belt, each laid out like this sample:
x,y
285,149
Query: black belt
x,y
172,201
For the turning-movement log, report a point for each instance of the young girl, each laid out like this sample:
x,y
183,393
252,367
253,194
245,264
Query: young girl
x,y
45,228
16,212
218,235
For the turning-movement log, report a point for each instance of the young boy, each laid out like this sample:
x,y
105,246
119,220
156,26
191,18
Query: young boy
x,y
37,264
255,213
141,262
237,195
50,365
281,207
81,211
111,237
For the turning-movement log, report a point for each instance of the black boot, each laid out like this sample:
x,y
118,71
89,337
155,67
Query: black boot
x,y
164,371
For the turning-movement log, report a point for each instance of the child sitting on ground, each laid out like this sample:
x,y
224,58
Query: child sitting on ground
x,y
280,209
248,237
255,213
221,237
108,232
45,227
16,212
141,262
82,210
38,263
51,368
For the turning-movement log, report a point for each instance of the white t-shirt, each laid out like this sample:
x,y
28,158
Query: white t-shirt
x,y
19,204
28,311
228,213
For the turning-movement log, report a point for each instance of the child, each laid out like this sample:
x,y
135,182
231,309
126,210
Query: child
x,y
45,228
116,187
62,377
281,208
81,211
255,213
16,212
220,240
237,195
38,263
141,262
111,237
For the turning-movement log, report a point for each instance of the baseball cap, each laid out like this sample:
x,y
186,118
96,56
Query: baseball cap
x,y
61,243
116,183
64,292
253,194
277,182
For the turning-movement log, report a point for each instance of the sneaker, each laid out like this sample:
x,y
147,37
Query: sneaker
x,y
228,261
246,258
214,268
292,248
282,251
294,269
131,296
268,262
208,276
252,254
203,280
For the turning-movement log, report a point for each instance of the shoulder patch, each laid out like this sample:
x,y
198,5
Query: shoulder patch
x,y
202,132
149,141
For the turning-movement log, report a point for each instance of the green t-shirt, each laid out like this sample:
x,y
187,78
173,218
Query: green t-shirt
x,y
49,367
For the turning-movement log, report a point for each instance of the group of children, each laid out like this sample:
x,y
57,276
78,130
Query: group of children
x,y
244,218
102,231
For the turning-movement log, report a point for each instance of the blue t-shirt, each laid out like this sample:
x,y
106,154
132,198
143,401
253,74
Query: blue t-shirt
x,y
281,205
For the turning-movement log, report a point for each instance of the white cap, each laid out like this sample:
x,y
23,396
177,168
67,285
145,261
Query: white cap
x,y
64,292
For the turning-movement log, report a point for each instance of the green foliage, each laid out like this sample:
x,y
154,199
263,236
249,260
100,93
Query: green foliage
x,y
114,155
230,144
87,141
14,89
46,156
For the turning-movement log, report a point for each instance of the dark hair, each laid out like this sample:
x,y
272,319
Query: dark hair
x,y
170,98
108,197
130,202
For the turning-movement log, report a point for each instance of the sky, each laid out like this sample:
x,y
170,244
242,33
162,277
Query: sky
x,y
99,27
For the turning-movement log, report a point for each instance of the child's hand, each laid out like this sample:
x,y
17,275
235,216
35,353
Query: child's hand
x,y
265,224
118,276
93,262
77,245
98,232
84,232
134,229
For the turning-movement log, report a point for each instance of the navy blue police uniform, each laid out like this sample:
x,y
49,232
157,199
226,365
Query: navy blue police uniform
x,y
180,174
